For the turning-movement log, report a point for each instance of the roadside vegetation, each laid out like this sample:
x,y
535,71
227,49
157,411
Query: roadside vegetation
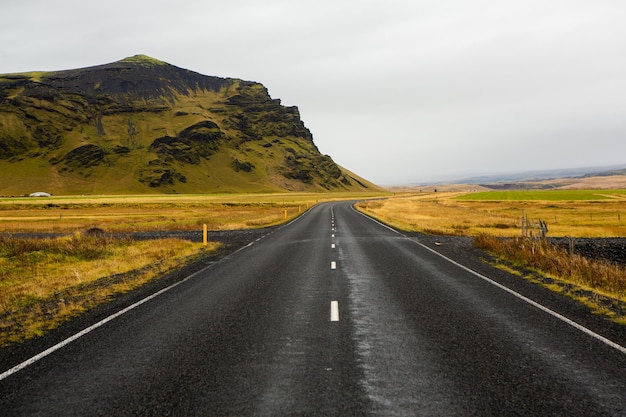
x,y
53,269
592,281
44,282
494,219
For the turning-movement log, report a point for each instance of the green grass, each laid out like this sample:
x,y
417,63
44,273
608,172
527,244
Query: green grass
x,y
143,59
544,195
33,75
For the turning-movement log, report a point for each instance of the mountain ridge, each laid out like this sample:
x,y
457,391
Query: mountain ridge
x,y
141,125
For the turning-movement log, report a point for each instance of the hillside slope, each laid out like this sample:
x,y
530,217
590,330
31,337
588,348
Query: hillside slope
x,y
140,125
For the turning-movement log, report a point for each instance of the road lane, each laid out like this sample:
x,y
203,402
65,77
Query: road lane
x,y
251,335
332,314
433,337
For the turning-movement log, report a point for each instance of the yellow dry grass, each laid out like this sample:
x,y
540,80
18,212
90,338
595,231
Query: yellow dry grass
x,y
41,287
157,212
440,213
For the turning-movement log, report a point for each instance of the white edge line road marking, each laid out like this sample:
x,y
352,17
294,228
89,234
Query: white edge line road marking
x,y
334,311
553,313
104,321
85,331
333,265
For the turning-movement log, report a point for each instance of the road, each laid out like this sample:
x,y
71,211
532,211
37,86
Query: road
x,y
335,314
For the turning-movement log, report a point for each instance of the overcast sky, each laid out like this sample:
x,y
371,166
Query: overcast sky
x,y
398,91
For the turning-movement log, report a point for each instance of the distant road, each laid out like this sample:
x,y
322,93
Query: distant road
x,y
335,314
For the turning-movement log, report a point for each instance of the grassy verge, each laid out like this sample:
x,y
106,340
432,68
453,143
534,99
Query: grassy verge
x,y
45,282
593,282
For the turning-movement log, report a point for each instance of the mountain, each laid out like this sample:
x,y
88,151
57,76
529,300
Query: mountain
x,y
141,125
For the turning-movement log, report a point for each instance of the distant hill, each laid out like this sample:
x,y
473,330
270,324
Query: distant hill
x,y
607,177
547,174
141,125
575,178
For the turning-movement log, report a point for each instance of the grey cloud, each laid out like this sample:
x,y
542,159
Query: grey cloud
x,y
397,91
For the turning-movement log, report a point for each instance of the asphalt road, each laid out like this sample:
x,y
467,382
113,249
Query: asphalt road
x,y
335,314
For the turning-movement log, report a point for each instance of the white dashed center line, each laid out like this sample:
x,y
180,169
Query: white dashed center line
x,y
334,311
333,265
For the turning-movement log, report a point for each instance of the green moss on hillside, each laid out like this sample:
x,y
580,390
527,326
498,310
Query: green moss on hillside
x,y
142,125
143,60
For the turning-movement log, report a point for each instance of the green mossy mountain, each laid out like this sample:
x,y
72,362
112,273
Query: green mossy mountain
x,y
140,125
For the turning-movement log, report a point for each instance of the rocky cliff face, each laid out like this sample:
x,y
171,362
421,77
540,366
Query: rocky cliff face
x,y
142,125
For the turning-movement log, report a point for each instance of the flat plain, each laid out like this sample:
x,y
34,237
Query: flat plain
x,y
573,213
133,213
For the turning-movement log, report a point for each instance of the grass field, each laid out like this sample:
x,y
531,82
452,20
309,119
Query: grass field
x,y
574,213
157,212
546,195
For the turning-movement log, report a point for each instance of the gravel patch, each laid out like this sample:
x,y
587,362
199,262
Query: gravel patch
x,y
610,249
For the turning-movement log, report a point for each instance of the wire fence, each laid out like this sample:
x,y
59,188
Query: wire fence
x,y
533,228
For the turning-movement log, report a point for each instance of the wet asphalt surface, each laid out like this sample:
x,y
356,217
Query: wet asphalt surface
x,y
249,331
